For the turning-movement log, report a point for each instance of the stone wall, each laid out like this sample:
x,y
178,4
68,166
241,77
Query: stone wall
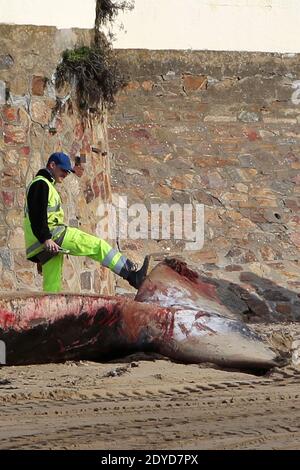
x,y
211,128
220,129
29,132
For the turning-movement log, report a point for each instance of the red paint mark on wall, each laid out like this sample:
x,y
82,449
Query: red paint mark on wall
x,y
6,319
252,135
8,198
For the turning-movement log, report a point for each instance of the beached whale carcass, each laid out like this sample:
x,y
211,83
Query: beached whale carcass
x,y
38,328
204,329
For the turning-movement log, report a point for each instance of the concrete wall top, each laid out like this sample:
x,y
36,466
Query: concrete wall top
x,y
241,25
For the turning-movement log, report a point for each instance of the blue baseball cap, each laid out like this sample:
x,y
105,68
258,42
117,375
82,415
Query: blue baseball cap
x,y
62,160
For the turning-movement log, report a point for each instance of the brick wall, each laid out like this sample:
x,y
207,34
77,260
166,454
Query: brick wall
x,y
212,128
216,128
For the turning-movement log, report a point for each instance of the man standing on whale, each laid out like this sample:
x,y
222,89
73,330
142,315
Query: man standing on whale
x,y
47,237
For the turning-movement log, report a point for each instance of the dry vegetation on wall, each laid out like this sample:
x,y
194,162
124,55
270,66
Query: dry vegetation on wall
x,y
94,71
107,10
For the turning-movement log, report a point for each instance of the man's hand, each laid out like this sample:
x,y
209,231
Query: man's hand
x,y
51,246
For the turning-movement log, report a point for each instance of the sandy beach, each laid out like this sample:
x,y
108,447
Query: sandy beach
x,y
148,402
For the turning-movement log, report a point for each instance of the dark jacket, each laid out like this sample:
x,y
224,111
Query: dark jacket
x,y
37,202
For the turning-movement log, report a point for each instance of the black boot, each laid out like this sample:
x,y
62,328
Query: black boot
x,y
133,276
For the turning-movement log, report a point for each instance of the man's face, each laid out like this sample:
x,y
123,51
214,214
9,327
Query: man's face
x,y
58,173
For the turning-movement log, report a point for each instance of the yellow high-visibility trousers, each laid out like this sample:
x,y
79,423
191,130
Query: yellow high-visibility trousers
x,y
80,244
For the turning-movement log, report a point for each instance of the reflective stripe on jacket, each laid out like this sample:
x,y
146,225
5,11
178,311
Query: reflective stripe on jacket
x,y
55,217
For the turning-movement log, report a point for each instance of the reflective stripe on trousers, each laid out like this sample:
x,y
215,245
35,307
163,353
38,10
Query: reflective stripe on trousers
x,y
80,244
